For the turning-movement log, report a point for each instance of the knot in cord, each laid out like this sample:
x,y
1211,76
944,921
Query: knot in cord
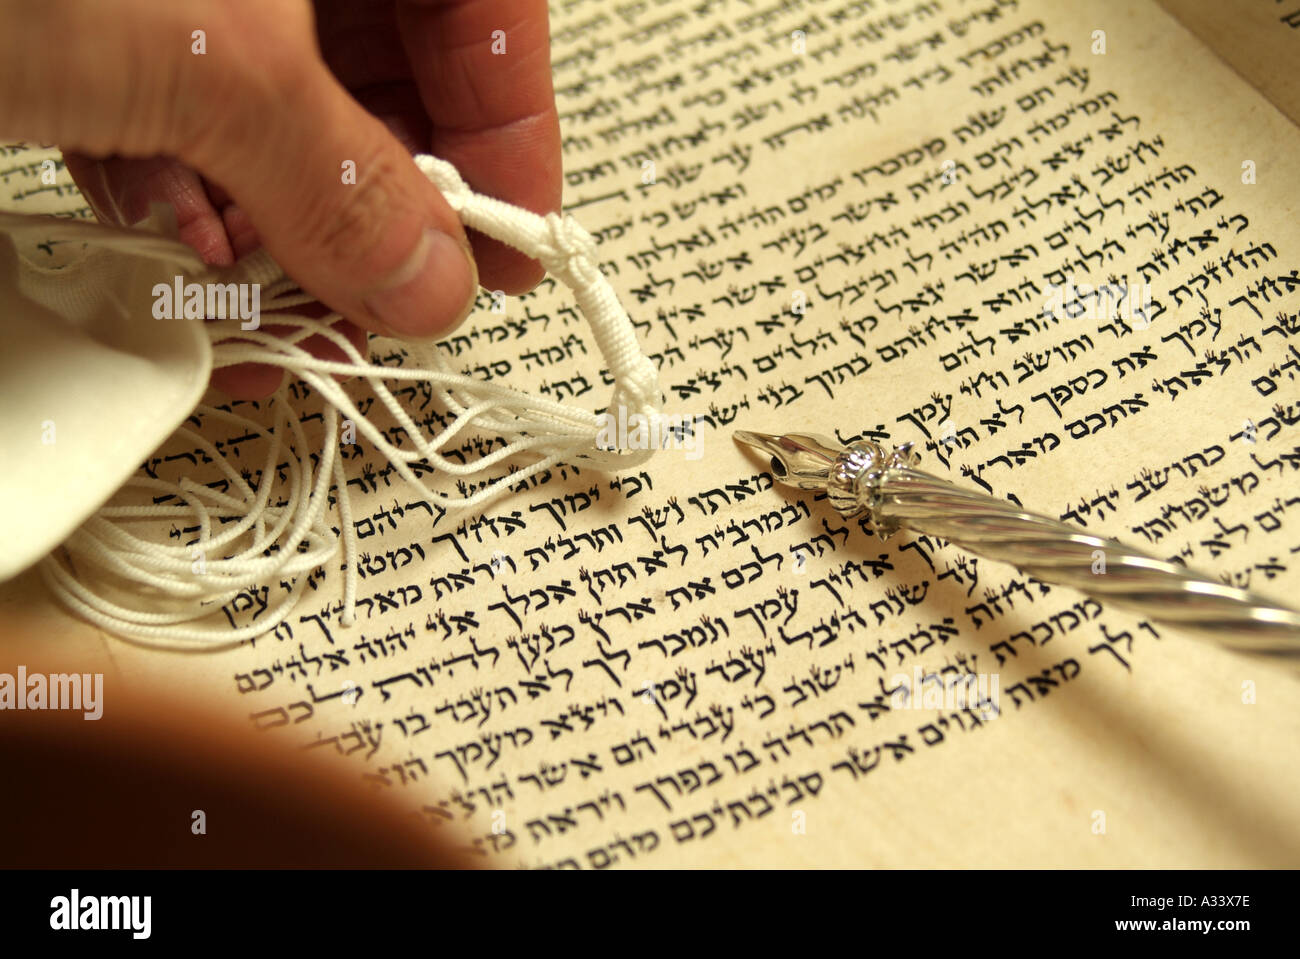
x,y
639,389
569,248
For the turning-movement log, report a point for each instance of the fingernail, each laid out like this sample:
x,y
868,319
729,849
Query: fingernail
x,y
431,293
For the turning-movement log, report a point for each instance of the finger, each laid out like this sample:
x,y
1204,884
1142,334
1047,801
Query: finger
x,y
239,228
256,381
335,197
237,90
120,191
248,381
493,114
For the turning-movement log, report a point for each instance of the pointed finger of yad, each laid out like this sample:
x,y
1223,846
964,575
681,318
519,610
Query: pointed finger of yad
x,y
802,460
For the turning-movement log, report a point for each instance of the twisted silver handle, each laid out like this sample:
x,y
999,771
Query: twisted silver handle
x,y
1054,552
886,484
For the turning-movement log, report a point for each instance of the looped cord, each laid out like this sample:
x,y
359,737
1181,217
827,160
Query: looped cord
x,y
571,248
253,539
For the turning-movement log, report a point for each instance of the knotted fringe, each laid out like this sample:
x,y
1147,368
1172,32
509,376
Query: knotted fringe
x,y
257,537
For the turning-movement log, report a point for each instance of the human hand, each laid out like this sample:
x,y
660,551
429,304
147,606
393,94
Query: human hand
x,y
248,139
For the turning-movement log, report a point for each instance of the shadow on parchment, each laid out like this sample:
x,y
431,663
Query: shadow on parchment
x,y
1222,805
1160,749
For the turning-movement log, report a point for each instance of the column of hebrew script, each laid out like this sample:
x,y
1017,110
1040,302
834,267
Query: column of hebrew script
x,y
991,229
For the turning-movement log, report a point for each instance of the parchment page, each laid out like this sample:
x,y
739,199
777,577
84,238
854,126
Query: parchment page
x,y
846,217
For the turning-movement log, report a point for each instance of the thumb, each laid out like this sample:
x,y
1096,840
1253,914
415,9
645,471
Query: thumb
x,y
340,203
237,89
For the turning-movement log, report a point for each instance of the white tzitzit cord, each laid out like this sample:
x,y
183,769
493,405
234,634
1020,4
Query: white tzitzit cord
x,y
252,539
